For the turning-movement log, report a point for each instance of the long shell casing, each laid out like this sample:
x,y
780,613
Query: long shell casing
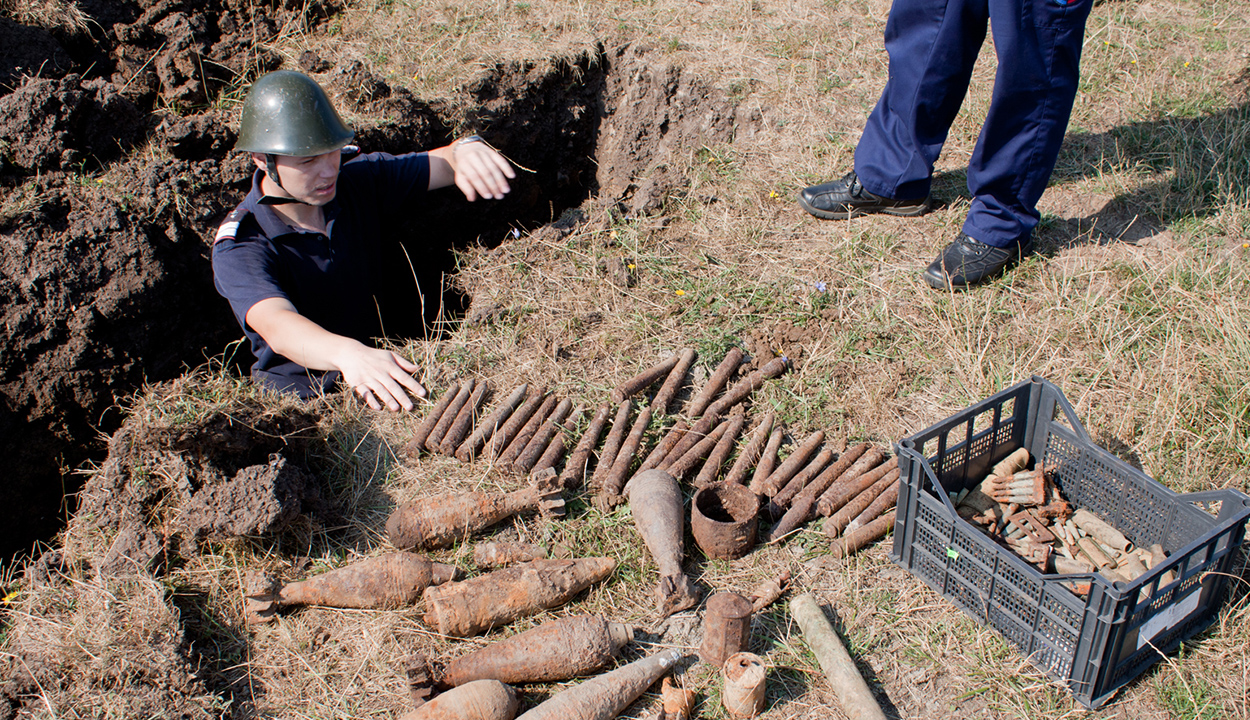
x,y
557,650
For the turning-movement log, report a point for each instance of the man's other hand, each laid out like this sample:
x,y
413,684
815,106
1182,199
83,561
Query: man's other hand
x,y
381,378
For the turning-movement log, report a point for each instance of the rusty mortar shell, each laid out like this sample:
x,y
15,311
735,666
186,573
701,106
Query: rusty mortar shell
x,y
527,431
717,381
854,541
496,554
557,447
612,446
480,700
518,419
557,650
724,518
655,500
487,428
750,454
440,520
473,606
852,483
768,460
792,464
856,505
537,445
680,467
464,419
743,680
615,480
1104,533
574,473
644,379
605,696
726,627
388,581
742,390
690,438
416,445
777,506
659,405
711,467
769,591
665,446
444,423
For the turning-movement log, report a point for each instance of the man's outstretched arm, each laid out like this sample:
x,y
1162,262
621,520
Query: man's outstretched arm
x,y
381,377
475,167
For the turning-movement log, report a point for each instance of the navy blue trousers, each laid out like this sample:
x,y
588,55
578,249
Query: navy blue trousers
x,y
932,46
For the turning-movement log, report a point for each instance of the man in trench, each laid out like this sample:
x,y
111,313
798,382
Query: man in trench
x,y
299,257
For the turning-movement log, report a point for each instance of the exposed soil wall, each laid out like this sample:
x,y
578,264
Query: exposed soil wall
x,y
115,172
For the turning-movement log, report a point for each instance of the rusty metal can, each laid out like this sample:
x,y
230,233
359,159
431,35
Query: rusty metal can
x,y
726,627
724,518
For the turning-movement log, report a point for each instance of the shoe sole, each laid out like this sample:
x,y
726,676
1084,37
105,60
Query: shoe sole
x,y
900,211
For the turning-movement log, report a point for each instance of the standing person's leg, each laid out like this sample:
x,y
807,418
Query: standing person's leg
x,y
932,45
1039,49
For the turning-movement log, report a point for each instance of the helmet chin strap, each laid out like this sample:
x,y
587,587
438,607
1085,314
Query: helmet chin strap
x,y
271,169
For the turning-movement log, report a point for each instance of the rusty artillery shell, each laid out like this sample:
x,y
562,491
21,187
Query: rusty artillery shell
x,y
723,519
748,385
480,700
574,473
659,405
715,459
690,438
857,479
769,591
863,535
742,677
387,581
726,627
615,480
497,598
557,650
440,520
665,446
500,554
527,431
655,501
605,696
751,453
697,452
612,445
537,445
557,447
856,505
803,507
444,423
854,695
520,418
464,420
644,379
720,376
768,460
884,501
417,444
1101,531
1012,464
487,428
777,506
793,464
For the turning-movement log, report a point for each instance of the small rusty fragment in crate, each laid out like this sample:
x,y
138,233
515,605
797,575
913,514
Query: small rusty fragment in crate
x,y
1032,527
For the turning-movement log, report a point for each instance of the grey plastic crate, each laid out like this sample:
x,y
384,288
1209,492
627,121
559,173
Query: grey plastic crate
x,y
1094,644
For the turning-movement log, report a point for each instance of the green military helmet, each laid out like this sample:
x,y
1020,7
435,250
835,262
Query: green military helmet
x,y
287,113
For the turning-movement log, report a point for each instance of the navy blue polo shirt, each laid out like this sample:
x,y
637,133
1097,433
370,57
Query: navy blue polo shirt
x,y
331,279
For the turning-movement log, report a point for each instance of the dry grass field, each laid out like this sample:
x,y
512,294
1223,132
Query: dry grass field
x,y
1137,305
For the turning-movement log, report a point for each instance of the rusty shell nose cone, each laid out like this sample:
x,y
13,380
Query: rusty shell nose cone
x,y
620,635
440,573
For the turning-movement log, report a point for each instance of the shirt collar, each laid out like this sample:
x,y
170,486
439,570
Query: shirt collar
x,y
271,223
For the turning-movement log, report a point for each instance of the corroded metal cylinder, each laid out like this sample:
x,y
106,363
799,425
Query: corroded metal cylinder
x,y
726,627
743,678
724,518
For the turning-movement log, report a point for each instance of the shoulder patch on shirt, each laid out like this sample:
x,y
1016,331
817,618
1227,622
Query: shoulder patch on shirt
x,y
229,227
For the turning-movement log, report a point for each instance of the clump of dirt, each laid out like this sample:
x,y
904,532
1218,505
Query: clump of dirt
x,y
788,339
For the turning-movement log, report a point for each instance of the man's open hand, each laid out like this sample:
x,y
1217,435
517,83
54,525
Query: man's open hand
x,y
381,378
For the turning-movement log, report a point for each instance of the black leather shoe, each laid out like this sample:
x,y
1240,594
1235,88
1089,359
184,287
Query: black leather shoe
x,y
967,262
846,198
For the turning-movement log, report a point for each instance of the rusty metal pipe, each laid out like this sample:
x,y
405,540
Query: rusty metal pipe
x,y
768,460
853,483
537,445
527,432
498,416
612,446
777,506
856,505
558,445
749,384
521,417
574,473
751,453
615,481
690,438
854,541
417,444
659,405
664,447
797,459
711,468
720,376
697,452
644,379
444,423
464,420
604,697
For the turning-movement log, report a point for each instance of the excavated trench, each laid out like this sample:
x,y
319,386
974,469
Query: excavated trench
x,y
109,200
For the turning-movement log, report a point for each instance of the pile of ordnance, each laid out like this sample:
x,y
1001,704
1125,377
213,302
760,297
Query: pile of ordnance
x,y
1024,510
529,434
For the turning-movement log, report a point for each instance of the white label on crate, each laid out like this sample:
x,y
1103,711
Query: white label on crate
x,y
1168,618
